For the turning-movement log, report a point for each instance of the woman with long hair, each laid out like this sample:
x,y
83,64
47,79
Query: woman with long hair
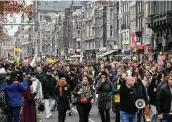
x,y
29,109
84,93
63,95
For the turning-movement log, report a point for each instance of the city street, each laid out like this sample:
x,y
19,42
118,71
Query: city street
x,y
94,116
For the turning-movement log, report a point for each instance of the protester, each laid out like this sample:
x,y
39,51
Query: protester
x,y
104,88
84,94
117,82
36,88
14,90
29,109
127,101
48,86
63,95
108,79
141,94
164,101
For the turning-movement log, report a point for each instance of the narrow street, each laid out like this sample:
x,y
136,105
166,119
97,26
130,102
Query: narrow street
x,y
94,116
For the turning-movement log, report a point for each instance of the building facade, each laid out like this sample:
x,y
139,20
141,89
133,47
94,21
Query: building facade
x,y
159,20
124,25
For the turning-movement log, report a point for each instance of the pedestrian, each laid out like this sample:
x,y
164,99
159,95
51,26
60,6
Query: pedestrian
x,y
104,88
14,89
117,82
141,94
36,89
128,97
164,101
48,87
29,109
63,95
84,95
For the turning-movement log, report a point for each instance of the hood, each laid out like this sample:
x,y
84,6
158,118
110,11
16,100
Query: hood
x,y
12,86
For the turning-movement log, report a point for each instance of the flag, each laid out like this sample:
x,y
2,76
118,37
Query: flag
x,y
136,44
33,63
18,50
26,59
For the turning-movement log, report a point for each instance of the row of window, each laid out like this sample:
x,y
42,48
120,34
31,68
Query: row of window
x,y
125,36
125,7
157,7
126,20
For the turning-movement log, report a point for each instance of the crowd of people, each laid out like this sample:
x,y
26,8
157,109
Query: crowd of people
x,y
25,91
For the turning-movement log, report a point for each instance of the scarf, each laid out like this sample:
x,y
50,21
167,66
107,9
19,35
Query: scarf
x,y
86,91
61,84
146,82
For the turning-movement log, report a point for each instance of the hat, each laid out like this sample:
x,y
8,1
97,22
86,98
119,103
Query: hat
x,y
32,73
13,74
61,75
49,70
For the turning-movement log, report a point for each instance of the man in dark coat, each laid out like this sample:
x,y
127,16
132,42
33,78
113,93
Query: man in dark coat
x,y
48,86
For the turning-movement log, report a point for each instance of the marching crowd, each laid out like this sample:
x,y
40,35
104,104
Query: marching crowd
x,y
26,91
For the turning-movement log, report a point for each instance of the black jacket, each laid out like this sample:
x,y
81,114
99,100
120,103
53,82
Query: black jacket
x,y
152,91
163,99
63,101
48,86
140,90
128,99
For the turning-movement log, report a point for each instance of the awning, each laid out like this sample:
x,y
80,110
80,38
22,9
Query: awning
x,y
106,53
76,56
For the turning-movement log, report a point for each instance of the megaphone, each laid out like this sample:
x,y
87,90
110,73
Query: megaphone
x,y
140,103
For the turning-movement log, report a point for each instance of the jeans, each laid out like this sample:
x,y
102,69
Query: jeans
x,y
166,118
127,117
14,114
61,116
105,115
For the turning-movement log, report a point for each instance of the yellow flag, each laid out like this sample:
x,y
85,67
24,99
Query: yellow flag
x,y
18,50
117,96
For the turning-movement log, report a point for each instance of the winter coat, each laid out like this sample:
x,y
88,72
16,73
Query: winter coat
x,y
48,86
2,79
29,109
117,82
140,90
14,93
82,106
37,88
105,92
63,101
163,99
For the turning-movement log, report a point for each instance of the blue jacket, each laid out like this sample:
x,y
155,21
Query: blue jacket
x,y
14,93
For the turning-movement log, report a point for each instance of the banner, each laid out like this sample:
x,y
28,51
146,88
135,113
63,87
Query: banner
x,y
33,63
